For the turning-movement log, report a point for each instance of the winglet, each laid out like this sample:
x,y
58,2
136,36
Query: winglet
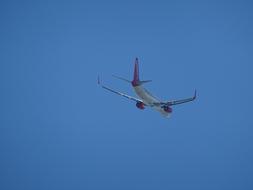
x,y
98,80
195,94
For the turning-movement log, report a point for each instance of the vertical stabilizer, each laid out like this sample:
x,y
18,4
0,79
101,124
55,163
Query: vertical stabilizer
x,y
136,79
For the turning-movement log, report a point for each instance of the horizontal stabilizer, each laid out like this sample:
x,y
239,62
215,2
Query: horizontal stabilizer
x,y
144,81
121,78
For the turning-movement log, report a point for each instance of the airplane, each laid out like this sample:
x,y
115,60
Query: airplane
x,y
146,99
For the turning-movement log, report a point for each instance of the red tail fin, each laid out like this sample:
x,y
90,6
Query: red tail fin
x,y
136,79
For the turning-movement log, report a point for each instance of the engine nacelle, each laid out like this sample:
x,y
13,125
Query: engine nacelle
x,y
140,105
167,109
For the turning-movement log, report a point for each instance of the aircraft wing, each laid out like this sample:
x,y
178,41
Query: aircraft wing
x,y
176,102
120,93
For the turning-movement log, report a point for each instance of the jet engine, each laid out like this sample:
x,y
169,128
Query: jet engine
x,y
167,109
140,105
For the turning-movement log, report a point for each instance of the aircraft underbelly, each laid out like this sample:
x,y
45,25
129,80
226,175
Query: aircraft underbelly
x,y
148,99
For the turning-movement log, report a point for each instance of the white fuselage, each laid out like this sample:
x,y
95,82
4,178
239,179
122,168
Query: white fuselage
x,y
149,99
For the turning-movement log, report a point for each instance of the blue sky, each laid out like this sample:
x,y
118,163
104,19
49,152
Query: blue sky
x,y
59,130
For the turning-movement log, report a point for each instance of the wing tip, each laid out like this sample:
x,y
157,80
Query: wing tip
x,y
98,80
195,94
